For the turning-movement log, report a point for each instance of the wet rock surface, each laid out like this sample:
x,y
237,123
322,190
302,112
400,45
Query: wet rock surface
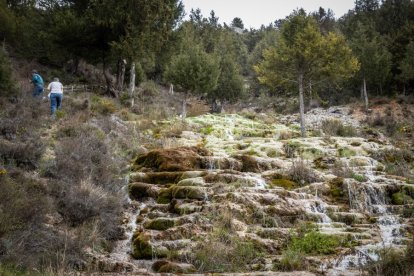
x,y
235,184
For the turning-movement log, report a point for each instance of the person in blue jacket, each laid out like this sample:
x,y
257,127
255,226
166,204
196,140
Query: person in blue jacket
x,y
38,84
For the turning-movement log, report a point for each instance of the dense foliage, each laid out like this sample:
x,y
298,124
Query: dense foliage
x,y
151,35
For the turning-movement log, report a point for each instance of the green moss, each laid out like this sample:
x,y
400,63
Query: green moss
x,y
346,152
160,224
207,130
186,208
336,188
272,153
408,212
401,198
311,153
164,196
284,183
140,190
141,247
315,243
190,192
359,177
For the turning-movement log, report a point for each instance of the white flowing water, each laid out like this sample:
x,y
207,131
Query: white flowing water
x,y
370,198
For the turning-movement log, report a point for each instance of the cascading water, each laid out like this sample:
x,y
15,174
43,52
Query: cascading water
x,y
370,198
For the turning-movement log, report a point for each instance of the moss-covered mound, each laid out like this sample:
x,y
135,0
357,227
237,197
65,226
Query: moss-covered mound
x,y
177,159
158,177
141,190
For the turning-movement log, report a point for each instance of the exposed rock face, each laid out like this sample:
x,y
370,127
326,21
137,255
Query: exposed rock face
x,y
239,198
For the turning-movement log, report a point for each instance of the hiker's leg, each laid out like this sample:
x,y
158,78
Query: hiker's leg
x,y
53,103
59,100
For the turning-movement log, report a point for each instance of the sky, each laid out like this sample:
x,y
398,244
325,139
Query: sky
x,y
257,12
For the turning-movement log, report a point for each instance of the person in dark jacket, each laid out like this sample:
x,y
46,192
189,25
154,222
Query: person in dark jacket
x,y
38,84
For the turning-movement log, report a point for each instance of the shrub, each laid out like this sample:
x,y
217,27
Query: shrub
x,y
22,154
335,127
301,173
393,262
149,89
6,82
314,243
292,260
102,105
341,169
216,256
387,122
396,161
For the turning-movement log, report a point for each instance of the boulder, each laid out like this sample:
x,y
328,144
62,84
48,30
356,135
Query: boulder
x,y
164,266
141,190
177,159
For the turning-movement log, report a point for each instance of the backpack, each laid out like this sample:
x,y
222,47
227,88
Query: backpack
x,y
37,79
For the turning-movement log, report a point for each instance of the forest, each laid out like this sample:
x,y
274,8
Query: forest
x,y
152,38
201,146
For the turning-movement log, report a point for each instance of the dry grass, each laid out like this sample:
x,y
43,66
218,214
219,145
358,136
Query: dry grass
x,y
301,173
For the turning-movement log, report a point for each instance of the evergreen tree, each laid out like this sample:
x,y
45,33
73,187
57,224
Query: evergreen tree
x,y
194,72
304,53
374,58
407,66
229,87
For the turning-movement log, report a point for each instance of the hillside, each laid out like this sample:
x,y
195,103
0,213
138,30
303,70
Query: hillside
x,y
104,189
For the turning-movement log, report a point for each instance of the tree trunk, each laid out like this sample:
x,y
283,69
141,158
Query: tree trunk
x,y
109,79
120,74
301,106
310,96
131,91
184,108
365,94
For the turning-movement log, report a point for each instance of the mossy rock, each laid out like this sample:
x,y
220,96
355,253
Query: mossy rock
x,y
336,189
311,153
164,266
198,181
141,247
177,159
160,224
346,152
401,198
164,196
284,182
158,177
250,163
324,162
190,192
356,144
186,208
141,190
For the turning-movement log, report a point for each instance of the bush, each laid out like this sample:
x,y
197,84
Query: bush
x,y
393,262
301,173
22,154
335,127
216,256
396,161
292,260
6,82
314,243
387,122
103,106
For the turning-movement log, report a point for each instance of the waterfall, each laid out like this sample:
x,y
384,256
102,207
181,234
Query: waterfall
x,y
370,198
